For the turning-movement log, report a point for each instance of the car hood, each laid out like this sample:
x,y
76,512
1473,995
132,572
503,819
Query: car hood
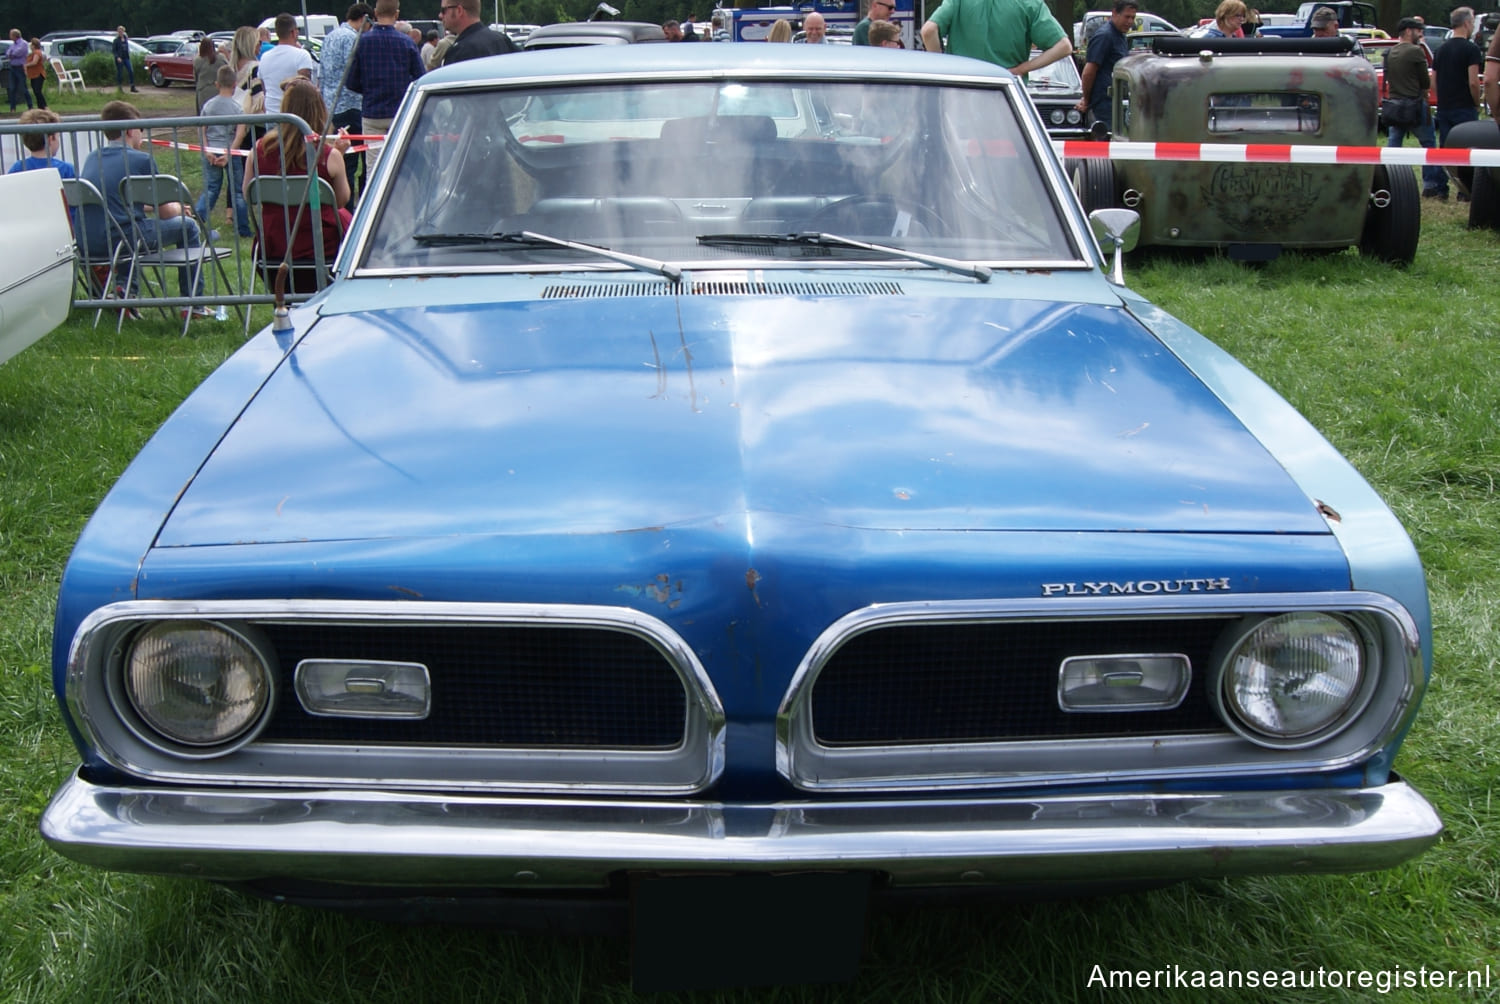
x,y
598,416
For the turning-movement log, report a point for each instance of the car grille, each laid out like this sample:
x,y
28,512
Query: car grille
x,y
529,686
993,682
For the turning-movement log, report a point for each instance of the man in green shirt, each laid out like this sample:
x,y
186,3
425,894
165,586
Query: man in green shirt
x,y
878,10
1002,32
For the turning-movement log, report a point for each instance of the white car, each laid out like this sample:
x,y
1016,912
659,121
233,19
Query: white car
x,y
36,260
1094,20
72,50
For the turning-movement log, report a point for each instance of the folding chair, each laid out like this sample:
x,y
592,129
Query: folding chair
x,y
306,275
146,253
71,79
94,274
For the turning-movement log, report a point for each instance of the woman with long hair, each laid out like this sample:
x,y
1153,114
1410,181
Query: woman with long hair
x,y
283,150
781,31
244,56
206,71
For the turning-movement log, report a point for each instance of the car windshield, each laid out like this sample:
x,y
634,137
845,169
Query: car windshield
x,y
1058,75
648,169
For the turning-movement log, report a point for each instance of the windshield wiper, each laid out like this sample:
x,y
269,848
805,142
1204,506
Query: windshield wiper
x,y
815,239
528,239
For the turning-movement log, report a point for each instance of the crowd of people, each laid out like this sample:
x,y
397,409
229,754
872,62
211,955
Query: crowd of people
x,y
370,59
367,63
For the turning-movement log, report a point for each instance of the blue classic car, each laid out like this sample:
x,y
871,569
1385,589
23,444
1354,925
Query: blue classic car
x,y
732,476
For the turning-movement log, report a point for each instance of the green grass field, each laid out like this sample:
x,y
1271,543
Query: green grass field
x,y
1398,368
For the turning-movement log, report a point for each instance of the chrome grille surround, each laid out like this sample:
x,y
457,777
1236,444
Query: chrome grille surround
x,y
689,766
1389,634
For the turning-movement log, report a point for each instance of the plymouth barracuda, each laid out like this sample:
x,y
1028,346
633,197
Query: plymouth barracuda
x,y
733,481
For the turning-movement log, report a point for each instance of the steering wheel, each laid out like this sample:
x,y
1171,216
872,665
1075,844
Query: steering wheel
x,y
876,217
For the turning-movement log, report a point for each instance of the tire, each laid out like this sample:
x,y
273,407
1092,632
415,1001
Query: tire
x,y
157,79
1391,231
1094,181
1484,200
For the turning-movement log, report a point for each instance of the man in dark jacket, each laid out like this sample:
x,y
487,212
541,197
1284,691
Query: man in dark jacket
x,y
123,66
461,17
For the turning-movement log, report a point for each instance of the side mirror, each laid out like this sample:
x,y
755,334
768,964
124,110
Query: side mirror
x,y
1118,229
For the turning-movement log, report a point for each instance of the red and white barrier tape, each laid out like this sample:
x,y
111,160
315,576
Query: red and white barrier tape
x,y
216,150
1273,153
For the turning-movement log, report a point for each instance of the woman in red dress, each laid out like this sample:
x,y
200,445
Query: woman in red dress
x,y
283,150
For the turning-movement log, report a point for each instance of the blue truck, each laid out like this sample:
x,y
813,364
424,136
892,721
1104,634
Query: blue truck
x,y
753,24
1352,14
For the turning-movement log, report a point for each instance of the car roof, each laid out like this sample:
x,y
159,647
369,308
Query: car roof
x,y
713,59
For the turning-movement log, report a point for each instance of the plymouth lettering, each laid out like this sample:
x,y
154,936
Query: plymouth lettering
x,y
1137,587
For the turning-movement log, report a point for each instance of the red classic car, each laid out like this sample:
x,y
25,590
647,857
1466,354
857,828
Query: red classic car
x,y
165,67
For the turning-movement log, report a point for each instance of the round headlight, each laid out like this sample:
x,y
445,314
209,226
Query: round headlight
x,y
197,683
1292,680
1057,116
1074,116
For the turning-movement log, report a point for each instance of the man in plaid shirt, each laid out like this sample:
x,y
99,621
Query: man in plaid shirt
x,y
385,64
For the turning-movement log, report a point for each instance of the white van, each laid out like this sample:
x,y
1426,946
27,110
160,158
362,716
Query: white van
x,y
315,26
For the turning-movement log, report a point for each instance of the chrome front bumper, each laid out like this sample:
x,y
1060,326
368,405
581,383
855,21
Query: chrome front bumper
x,y
392,839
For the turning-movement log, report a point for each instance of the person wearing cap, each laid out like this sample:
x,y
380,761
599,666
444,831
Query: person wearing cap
x,y
1406,76
1325,23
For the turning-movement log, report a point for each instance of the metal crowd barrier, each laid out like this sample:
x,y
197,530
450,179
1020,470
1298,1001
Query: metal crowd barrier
x,y
175,144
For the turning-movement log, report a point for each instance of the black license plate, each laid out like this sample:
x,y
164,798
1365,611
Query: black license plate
x,y
693,932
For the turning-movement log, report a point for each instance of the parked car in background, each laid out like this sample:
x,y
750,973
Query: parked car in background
x,y
567,34
1055,89
308,25
1095,19
1355,17
72,49
1280,91
517,33
165,67
160,43
725,475
36,259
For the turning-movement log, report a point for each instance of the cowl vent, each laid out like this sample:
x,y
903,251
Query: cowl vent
x,y
593,290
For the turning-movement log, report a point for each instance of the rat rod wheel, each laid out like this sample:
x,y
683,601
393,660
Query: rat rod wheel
x,y
1393,221
1094,181
1484,200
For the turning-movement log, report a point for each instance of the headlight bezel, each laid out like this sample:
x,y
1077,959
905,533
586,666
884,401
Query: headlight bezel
x,y
123,698
1239,720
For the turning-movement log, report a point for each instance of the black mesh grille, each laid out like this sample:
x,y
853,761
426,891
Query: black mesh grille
x,y
954,683
495,686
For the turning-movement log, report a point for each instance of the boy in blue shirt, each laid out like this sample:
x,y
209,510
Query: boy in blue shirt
x,y
42,150
41,147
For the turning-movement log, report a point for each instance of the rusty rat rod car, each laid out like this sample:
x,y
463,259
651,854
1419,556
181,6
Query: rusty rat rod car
x,y
728,474
1297,91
